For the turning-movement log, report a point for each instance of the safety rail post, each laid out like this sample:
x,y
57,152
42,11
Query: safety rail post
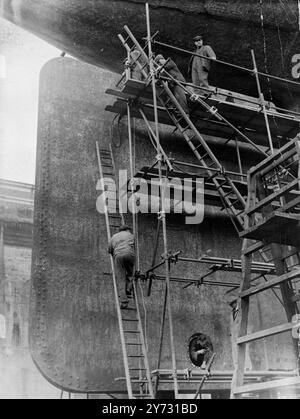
x,y
163,215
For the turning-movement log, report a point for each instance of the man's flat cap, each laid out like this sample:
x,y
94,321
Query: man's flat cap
x,y
198,38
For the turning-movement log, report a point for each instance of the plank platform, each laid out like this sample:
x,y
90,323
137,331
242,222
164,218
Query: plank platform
x,y
211,195
223,379
265,333
270,284
277,228
242,111
269,385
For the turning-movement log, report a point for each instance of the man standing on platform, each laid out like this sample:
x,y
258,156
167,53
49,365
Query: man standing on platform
x,y
199,66
121,247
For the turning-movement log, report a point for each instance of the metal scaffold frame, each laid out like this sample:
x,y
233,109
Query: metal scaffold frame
x,y
233,201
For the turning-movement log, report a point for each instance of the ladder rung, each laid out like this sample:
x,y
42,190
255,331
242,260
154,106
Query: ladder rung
x,y
133,344
137,369
222,183
136,380
234,202
197,148
227,194
211,164
131,331
130,320
136,356
185,129
240,213
205,155
212,176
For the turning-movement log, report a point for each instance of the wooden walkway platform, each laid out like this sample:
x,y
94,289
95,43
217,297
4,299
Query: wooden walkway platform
x,y
242,111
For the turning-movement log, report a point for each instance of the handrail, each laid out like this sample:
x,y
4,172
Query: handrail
x,y
238,67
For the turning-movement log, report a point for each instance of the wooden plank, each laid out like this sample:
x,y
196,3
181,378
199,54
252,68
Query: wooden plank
x,y
290,204
272,197
238,116
265,333
267,385
255,247
270,284
272,158
295,217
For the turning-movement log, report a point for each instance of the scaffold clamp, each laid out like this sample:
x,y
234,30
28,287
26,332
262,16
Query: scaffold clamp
x,y
161,215
213,110
171,257
159,157
138,275
194,97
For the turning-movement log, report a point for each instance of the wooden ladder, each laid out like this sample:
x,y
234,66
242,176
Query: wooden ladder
x,y
133,343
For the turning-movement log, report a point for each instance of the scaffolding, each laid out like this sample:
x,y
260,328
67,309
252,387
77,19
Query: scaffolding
x,y
237,118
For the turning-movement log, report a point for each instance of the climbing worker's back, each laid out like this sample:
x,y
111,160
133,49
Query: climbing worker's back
x,y
122,243
121,247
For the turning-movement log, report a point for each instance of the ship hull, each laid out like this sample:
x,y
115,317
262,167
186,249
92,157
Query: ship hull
x,y
88,31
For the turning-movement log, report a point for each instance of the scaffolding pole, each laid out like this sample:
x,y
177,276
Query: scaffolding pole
x,y
163,215
262,102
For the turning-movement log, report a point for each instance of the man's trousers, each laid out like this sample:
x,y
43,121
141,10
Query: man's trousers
x,y
200,77
124,265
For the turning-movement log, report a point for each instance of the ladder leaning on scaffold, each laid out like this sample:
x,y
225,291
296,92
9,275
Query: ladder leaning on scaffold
x,y
134,349
233,201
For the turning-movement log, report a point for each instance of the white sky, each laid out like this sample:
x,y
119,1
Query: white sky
x,y
22,56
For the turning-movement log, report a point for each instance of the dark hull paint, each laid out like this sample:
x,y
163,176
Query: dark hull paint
x,y
88,30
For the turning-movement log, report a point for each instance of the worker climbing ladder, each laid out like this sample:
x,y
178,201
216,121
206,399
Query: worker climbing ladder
x,y
134,349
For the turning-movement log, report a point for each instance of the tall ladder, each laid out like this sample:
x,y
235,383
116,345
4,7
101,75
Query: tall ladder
x,y
134,348
262,205
231,197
